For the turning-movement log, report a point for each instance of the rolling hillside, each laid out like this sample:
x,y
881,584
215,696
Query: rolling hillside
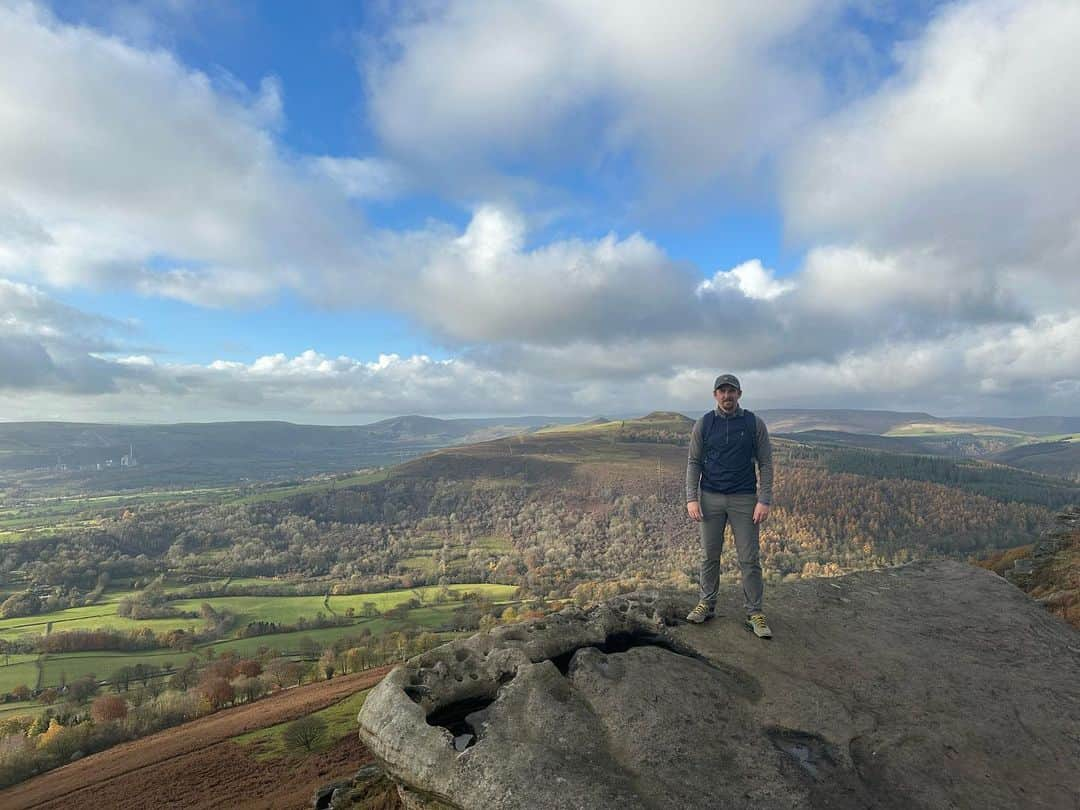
x,y
548,510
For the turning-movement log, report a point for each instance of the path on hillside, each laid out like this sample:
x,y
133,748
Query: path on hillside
x,y
160,770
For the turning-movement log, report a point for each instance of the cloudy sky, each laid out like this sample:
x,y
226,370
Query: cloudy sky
x,y
335,212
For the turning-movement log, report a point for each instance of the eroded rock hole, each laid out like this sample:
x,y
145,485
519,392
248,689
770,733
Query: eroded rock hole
x,y
621,642
462,719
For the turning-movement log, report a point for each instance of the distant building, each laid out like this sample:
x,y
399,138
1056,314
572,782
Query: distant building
x,y
129,460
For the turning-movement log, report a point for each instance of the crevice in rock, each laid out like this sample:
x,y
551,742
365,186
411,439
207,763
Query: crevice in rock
x,y
811,752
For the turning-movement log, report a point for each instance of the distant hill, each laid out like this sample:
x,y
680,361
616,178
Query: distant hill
x,y
90,456
668,416
72,457
1045,445
869,441
792,420
1037,425
1049,458
415,427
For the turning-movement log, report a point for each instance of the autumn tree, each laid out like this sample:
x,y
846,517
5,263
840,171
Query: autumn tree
x,y
217,691
248,668
108,707
81,689
251,688
285,672
48,696
50,734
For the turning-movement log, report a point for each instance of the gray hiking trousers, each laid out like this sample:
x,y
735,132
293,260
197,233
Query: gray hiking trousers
x,y
716,512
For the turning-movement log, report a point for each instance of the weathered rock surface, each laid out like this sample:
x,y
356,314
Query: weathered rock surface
x,y
933,685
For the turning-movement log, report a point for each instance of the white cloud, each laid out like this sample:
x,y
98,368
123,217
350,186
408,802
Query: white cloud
x,y
1044,354
113,158
485,284
369,178
751,279
309,387
969,151
27,311
693,93
47,345
987,369
906,291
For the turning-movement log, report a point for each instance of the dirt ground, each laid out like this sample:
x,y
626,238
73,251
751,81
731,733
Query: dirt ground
x,y
195,765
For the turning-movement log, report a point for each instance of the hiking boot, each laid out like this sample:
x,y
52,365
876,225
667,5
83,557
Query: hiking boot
x,y
700,613
757,623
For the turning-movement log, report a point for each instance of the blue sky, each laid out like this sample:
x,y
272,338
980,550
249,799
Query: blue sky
x,y
335,212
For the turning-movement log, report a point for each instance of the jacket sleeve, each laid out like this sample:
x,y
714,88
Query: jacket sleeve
x,y
764,463
693,462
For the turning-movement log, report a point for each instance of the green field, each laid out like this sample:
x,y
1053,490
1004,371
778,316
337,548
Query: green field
x,y
279,609
65,619
286,610
291,642
426,558
47,516
101,615
955,429
581,427
24,708
71,666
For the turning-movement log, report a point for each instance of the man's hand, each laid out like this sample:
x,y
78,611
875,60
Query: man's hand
x,y
693,508
761,513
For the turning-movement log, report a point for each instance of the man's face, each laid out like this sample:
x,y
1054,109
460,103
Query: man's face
x,y
727,397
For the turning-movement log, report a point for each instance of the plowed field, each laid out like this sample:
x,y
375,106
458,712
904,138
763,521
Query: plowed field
x,y
196,766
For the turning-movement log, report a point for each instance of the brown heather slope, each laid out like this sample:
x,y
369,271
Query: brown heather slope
x,y
195,765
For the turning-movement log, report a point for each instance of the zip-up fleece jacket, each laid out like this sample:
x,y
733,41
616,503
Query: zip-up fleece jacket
x,y
762,453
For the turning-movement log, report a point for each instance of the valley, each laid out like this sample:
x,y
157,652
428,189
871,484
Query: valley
x,y
185,601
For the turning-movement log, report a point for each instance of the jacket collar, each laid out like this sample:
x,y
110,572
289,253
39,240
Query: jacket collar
x,y
722,415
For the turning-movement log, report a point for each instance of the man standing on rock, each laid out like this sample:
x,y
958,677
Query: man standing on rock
x,y
724,444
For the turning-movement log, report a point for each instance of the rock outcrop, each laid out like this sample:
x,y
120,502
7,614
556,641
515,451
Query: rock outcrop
x,y
1051,573
933,685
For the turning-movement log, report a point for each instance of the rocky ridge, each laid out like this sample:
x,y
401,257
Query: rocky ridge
x,y
932,685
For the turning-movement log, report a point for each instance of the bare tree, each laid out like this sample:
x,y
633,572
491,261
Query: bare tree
x,y
304,733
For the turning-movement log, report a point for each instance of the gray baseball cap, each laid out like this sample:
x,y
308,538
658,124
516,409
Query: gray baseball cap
x,y
727,379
